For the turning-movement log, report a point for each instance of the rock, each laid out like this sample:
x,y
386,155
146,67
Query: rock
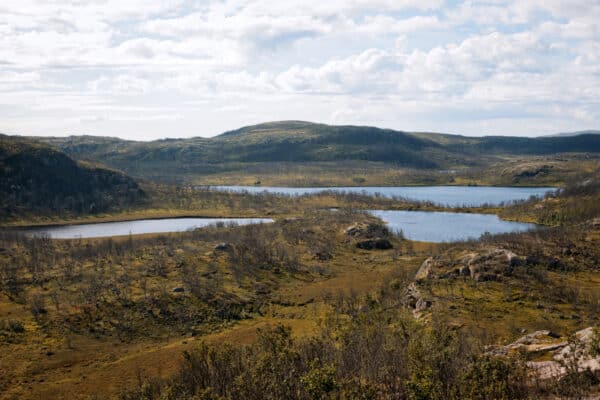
x,y
487,264
585,335
422,305
412,296
594,223
547,369
375,244
178,289
223,247
536,337
424,270
562,353
415,301
356,230
368,231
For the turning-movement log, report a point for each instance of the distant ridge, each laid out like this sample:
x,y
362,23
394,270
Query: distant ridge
x,y
577,133
299,142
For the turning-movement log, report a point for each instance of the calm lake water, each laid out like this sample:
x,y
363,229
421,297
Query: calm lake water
x,y
137,227
433,226
453,196
429,226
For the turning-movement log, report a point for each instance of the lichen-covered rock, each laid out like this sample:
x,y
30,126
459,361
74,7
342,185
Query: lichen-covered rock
x,y
415,301
556,355
482,266
424,270
356,230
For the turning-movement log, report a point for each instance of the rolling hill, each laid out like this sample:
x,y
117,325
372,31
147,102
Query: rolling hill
x,y
257,148
38,179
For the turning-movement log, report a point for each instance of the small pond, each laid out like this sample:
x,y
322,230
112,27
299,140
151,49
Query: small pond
x,y
434,226
138,227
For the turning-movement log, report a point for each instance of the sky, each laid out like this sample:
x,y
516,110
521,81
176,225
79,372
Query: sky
x,y
144,70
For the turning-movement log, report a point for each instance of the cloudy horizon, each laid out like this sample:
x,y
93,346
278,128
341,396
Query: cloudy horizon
x,y
147,70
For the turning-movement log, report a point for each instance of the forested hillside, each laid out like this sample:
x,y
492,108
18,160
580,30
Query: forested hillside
x,y
38,179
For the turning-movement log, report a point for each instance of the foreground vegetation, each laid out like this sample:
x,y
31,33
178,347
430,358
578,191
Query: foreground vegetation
x,y
334,319
370,346
61,299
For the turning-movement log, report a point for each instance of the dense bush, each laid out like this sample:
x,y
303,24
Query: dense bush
x,y
366,358
577,202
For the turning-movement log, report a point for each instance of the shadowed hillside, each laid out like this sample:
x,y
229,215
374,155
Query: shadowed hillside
x,y
37,179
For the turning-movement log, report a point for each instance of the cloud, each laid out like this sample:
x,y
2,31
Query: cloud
x,y
388,25
112,64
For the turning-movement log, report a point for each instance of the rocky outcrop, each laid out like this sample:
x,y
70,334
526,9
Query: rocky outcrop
x,y
538,341
490,265
484,265
555,355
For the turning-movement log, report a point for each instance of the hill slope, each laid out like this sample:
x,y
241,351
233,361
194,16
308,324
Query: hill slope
x,y
38,179
296,142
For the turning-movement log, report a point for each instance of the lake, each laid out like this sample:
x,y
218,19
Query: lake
x,y
429,226
453,196
138,227
434,226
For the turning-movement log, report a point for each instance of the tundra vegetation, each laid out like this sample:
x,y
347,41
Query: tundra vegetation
x,y
323,303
